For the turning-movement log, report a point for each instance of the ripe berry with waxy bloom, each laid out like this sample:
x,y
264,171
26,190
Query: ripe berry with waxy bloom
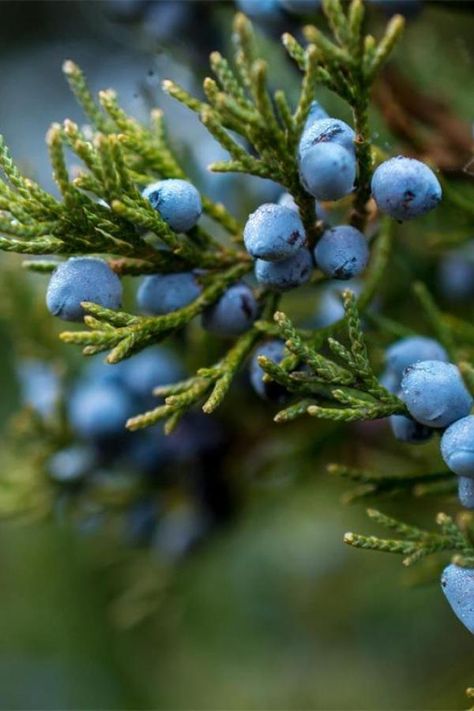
x,y
457,446
82,279
177,201
458,587
163,293
342,252
327,130
434,393
233,313
405,188
285,275
274,232
412,349
328,171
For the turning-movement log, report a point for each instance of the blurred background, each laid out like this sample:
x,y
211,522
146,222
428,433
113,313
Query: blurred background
x,y
225,583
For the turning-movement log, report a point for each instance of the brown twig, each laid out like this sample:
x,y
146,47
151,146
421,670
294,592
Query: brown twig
x,y
425,123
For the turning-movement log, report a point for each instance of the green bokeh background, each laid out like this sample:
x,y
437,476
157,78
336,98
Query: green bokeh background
x,y
272,612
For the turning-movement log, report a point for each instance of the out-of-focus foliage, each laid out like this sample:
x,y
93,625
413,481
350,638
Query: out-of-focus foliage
x,y
272,611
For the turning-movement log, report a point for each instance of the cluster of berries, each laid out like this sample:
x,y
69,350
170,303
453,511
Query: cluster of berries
x,y
141,470
274,235
100,408
90,279
418,369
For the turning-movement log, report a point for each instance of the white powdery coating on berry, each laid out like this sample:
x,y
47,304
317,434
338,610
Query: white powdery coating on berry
x,y
177,201
285,275
327,130
457,447
274,232
82,279
162,293
342,252
287,200
457,585
434,393
405,188
328,171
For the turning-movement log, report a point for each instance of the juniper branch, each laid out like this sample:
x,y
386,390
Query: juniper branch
x,y
415,543
352,62
353,386
210,384
369,483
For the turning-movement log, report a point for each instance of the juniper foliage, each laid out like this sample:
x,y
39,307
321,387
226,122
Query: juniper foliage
x,y
101,211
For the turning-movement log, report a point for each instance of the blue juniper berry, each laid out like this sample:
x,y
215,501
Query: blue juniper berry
x,y
434,393
177,201
328,171
457,585
287,274
82,279
163,293
342,252
233,313
274,232
405,188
